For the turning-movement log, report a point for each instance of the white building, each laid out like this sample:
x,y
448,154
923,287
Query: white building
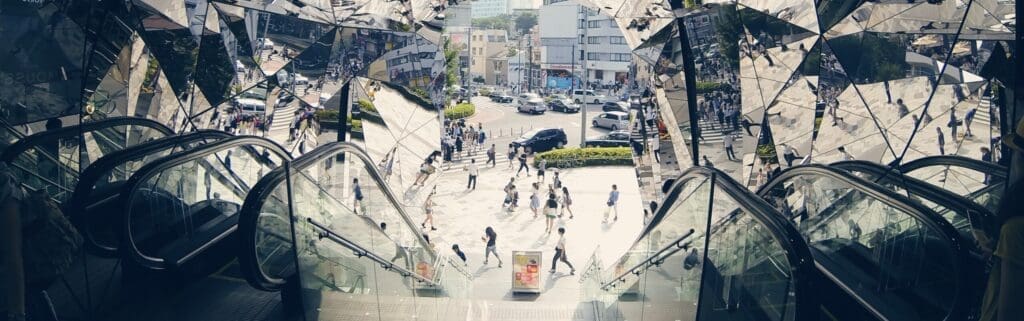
x,y
588,45
490,8
607,54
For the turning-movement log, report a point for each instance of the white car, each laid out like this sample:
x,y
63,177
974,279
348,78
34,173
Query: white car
x,y
533,106
613,120
526,97
587,96
301,80
264,43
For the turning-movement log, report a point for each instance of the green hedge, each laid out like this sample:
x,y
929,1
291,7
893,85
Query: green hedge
x,y
460,111
327,115
707,87
366,105
591,156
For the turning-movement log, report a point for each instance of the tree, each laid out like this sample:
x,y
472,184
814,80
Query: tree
x,y
502,22
451,61
525,21
729,31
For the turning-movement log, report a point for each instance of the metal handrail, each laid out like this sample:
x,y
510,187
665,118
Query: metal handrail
x,y
650,260
361,252
962,267
253,204
82,195
157,167
33,140
953,160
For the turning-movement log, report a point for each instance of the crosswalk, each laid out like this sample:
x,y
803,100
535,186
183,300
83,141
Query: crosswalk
x,y
480,154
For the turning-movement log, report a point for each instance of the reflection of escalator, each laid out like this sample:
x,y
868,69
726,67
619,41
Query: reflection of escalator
x,y
980,181
967,216
51,160
888,257
714,251
93,205
184,206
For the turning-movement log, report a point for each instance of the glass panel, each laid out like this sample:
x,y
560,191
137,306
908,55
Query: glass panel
x,y
273,235
885,255
336,284
192,203
980,187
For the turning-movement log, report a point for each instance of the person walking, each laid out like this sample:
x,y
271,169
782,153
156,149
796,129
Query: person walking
x,y
541,168
508,191
789,154
556,181
953,124
474,171
560,254
656,148
514,194
481,136
968,119
227,160
727,141
941,140
613,202
428,209
986,156
357,196
511,155
523,165
460,254
490,157
550,212
492,245
566,202
707,162
844,155
535,199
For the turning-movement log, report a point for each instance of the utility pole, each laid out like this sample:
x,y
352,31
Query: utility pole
x,y
583,86
519,82
529,73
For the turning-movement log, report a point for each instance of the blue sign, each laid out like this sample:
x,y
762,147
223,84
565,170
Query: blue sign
x,y
554,82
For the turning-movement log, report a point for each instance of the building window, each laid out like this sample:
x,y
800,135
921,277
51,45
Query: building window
x,y
621,57
611,23
594,56
581,39
594,40
594,24
617,40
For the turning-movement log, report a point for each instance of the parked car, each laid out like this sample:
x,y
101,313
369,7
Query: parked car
x,y
555,97
615,106
564,105
533,106
542,139
613,120
618,138
589,96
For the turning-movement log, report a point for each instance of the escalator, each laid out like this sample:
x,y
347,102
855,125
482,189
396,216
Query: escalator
x,y
887,257
980,181
180,212
966,216
714,251
51,160
93,206
333,256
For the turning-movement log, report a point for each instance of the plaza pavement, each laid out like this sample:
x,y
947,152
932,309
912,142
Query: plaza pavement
x,y
462,215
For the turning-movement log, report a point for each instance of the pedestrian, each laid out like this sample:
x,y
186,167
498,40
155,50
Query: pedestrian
x,y
845,156
953,124
426,169
566,202
789,154
523,165
556,181
560,254
941,140
511,155
508,191
207,182
401,250
535,199
550,212
727,141
460,254
540,169
481,136
357,196
707,162
613,202
490,157
968,119
227,160
474,171
986,156
428,209
901,108
492,248
514,205
656,148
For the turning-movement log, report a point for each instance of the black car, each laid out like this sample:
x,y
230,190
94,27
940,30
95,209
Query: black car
x,y
564,105
501,98
618,138
542,139
615,106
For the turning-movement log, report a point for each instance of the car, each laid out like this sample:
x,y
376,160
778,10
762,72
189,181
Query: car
x,y
564,105
533,106
300,79
615,106
555,97
250,106
264,43
580,96
613,120
523,97
618,138
502,98
542,139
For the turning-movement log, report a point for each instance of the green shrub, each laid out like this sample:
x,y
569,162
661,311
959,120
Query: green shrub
x,y
366,105
590,156
327,115
707,87
460,111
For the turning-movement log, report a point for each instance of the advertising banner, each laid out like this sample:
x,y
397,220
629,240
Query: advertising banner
x,y
554,82
526,271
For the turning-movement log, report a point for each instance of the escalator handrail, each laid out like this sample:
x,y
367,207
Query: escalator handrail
x,y
129,247
789,238
248,218
974,211
361,252
962,268
989,168
80,197
33,140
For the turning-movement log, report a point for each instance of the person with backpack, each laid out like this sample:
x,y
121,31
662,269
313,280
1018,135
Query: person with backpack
x,y
550,212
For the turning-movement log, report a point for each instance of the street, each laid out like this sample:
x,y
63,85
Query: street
x,y
503,124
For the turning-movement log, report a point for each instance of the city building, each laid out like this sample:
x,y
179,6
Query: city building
x,y
485,45
589,48
607,59
490,8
